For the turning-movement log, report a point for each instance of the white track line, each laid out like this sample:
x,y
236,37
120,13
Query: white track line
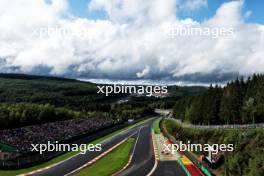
x,y
156,161
98,157
136,141
53,165
153,169
131,156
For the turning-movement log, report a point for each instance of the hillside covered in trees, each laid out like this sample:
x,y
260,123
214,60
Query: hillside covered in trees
x,y
60,92
28,100
239,102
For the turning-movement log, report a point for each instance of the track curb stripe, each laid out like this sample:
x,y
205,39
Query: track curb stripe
x,y
121,170
130,158
55,164
97,158
39,170
156,152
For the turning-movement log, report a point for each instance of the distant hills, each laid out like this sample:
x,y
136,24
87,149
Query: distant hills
x,y
30,99
15,88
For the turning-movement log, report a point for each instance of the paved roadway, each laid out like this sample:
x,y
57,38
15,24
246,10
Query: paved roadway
x,y
169,168
143,160
79,160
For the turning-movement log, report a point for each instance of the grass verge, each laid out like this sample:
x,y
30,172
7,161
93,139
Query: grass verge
x,y
66,155
155,126
111,163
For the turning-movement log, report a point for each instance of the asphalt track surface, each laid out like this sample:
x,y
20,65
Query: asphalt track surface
x,y
79,160
142,163
143,159
169,168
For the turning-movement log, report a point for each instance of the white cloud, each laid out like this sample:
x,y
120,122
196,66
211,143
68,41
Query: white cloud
x,y
131,44
191,5
136,11
144,72
229,14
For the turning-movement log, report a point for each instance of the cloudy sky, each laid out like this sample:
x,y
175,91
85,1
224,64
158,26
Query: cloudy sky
x,y
133,39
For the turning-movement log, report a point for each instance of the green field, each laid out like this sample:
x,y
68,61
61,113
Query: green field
x,y
114,161
64,156
155,126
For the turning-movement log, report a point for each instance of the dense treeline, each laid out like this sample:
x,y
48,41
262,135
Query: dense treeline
x,y
174,93
29,99
239,102
247,157
74,94
127,111
22,114
60,92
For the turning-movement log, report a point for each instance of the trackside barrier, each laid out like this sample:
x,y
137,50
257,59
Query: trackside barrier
x,y
197,163
227,126
184,168
194,160
207,173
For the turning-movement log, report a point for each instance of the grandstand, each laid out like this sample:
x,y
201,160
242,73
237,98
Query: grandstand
x,y
19,140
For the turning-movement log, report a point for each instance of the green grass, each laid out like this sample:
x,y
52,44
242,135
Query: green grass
x,y
66,155
112,162
155,125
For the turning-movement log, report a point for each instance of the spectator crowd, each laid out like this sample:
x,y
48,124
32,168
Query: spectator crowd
x,y
23,137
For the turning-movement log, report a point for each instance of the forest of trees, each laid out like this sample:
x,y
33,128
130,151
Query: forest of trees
x,y
23,114
28,100
60,92
247,159
239,102
74,94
